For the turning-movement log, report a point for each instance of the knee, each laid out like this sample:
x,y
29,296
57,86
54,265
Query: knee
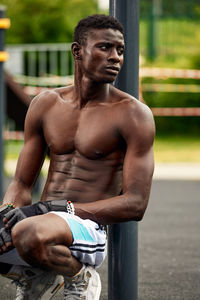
x,y
28,241
24,235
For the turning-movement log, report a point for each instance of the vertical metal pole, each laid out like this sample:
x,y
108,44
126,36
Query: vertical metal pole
x,y
2,32
4,24
156,7
151,34
123,238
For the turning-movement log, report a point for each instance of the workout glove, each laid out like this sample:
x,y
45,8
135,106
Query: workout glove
x,y
5,234
18,214
5,237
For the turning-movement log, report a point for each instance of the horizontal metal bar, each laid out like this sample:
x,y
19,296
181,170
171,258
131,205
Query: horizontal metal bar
x,y
176,111
44,81
40,47
170,88
163,73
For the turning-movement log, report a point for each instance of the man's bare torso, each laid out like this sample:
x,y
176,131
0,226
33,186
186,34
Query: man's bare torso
x,y
95,133
86,150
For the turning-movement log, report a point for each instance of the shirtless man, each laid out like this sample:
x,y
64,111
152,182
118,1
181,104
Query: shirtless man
x,y
101,142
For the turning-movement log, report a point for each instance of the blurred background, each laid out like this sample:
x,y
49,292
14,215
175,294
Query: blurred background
x,y
38,43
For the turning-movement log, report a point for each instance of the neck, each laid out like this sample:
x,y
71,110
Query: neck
x,y
86,90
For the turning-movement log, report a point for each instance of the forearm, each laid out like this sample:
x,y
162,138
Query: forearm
x,y
18,194
113,210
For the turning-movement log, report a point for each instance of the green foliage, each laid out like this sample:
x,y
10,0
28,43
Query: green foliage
x,y
177,46
180,8
176,42
41,21
188,126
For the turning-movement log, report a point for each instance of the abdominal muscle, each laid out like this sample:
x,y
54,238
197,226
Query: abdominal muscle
x,y
76,178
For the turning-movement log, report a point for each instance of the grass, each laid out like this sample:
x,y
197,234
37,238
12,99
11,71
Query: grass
x,y
177,149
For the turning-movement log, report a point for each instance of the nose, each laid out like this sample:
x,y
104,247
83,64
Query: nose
x,y
114,56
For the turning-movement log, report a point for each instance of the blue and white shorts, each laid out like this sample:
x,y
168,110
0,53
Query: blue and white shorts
x,y
89,242
89,239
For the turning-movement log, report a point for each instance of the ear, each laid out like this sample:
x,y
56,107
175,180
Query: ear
x,y
76,51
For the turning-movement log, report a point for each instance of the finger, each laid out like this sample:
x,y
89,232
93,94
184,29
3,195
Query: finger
x,y
11,217
7,247
9,214
6,235
1,242
9,244
4,248
12,221
5,240
5,220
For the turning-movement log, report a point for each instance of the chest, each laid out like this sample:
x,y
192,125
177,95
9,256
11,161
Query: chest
x,y
92,132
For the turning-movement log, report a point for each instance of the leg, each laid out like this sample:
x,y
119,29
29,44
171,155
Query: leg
x,y
43,241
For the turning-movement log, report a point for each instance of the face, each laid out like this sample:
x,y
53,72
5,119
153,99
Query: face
x,y
102,55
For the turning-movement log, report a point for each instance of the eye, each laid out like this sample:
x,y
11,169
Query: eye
x,y
120,50
103,47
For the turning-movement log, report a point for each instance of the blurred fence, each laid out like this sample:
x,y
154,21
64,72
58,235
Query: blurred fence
x,y
169,28
40,64
169,37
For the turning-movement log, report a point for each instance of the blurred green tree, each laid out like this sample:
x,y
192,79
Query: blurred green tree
x,y
178,8
41,21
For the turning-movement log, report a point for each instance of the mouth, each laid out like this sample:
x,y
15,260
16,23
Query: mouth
x,y
112,69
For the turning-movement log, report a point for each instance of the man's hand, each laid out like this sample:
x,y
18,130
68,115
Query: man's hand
x,y
5,234
13,217
4,208
5,240
17,214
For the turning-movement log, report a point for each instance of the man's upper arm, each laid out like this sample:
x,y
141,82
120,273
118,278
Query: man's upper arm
x,y
34,148
138,131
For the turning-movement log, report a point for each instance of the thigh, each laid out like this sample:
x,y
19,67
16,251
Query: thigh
x,y
48,228
44,241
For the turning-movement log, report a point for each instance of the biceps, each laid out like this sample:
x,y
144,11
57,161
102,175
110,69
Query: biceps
x,y
30,160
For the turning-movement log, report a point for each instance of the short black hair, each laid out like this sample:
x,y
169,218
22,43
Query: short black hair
x,y
97,21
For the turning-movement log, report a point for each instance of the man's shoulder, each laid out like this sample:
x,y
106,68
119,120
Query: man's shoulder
x,y
49,97
45,97
133,116
130,105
